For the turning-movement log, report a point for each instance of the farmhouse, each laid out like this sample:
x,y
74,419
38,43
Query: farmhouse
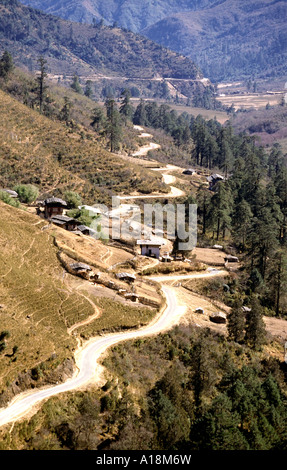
x,y
218,317
150,248
189,171
10,192
231,259
65,222
53,206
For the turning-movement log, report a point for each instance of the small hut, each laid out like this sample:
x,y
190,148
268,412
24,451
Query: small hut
x,y
128,277
150,248
81,269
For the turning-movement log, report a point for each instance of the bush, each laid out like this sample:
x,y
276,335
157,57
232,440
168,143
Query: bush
x,y
73,199
27,193
8,199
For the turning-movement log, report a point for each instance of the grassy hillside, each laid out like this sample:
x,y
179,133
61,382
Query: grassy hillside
x,y
41,304
37,305
35,149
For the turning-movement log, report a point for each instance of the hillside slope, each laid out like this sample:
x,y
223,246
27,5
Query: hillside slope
x,y
233,39
35,149
228,39
87,50
37,305
130,14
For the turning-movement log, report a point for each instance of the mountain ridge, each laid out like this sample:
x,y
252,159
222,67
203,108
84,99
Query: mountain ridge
x,y
71,48
228,39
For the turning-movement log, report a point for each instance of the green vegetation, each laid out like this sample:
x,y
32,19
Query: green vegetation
x,y
184,389
27,193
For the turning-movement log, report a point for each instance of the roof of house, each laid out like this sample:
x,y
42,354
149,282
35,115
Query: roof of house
x,y
81,266
149,242
10,192
55,200
124,275
215,176
83,227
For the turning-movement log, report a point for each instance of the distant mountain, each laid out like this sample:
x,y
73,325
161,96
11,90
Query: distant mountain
x,y
228,39
233,39
134,15
87,50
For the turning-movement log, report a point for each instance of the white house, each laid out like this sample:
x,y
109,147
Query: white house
x,y
150,247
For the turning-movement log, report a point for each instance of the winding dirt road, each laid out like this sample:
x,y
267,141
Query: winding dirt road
x,y
87,357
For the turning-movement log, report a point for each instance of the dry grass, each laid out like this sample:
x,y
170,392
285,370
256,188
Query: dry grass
x,y
37,150
250,100
40,302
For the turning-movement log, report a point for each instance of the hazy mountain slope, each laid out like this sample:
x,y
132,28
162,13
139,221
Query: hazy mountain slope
x,y
83,49
132,14
233,39
228,39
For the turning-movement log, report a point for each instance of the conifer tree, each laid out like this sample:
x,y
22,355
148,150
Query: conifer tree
x,y
255,333
236,322
42,87
126,109
113,124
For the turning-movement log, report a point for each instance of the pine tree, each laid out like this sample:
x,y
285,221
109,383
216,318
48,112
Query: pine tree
x,y
6,65
255,333
220,209
42,87
113,124
277,280
236,322
126,109
241,222
75,85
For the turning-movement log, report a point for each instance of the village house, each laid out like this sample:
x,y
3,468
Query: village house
x,y
53,206
231,259
189,171
150,248
10,192
68,223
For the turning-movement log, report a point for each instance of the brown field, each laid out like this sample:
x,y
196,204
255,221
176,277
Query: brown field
x,y
250,100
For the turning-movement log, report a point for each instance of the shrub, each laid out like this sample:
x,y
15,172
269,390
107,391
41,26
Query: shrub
x,y
27,193
73,199
8,199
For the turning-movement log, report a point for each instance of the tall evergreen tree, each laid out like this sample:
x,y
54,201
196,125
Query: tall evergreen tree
x,y
255,335
6,65
126,109
42,87
236,322
113,124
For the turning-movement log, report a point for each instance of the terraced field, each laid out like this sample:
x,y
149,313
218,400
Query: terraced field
x,y
37,304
